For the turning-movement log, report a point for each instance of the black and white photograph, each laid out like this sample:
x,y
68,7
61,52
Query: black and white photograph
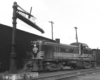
x,y
49,40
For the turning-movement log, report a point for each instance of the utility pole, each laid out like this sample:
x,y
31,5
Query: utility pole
x,y
13,68
52,28
76,34
79,45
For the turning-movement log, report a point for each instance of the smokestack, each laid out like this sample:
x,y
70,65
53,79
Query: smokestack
x,y
57,40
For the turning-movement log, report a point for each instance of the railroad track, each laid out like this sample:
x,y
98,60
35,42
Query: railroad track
x,y
47,76
65,74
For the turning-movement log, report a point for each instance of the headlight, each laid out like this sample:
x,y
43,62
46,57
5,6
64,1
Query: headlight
x,y
35,49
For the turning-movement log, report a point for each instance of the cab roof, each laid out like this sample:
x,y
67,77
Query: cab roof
x,y
59,44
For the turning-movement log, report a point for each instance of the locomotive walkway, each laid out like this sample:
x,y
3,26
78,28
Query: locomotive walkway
x,y
58,75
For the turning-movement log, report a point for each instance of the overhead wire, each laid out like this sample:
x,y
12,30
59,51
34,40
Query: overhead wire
x,y
9,17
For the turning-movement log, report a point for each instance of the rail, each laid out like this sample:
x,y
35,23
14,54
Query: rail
x,y
47,76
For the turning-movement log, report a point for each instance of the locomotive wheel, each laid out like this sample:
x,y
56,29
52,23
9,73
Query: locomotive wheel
x,y
53,67
87,64
60,66
74,67
93,64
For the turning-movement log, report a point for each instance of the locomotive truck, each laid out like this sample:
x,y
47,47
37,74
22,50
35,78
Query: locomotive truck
x,y
45,55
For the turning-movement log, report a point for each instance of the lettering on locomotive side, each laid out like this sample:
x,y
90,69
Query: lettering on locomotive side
x,y
65,55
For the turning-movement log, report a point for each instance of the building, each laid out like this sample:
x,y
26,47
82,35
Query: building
x,y
23,45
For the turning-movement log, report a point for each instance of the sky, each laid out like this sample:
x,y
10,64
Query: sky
x,y
66,14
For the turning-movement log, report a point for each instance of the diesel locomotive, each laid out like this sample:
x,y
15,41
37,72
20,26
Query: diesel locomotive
x,y
45,55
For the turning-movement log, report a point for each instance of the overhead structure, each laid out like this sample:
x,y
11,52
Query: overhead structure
x,y
16,14
29,22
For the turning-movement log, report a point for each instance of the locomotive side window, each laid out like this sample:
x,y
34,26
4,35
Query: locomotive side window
x,y
76,50
59,49
66,50
63,49
71,50
55,48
